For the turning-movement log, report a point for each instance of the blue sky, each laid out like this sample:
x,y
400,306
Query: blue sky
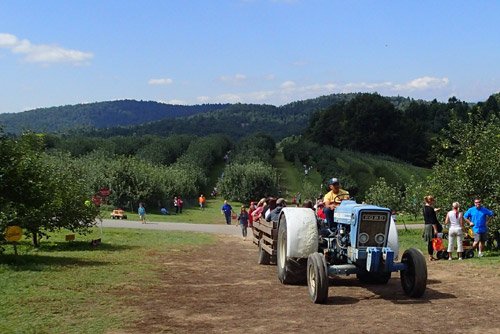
x,y
252,51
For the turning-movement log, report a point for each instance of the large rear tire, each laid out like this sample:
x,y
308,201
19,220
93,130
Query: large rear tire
x,y
414,277
317,278
290,271
264,257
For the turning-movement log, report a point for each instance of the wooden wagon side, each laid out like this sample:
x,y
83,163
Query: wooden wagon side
x,y
266,234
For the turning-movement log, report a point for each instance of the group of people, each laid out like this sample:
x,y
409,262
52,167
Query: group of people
x,y
266,208
477,217
270,208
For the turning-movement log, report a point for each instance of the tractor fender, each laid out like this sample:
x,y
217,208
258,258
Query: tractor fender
x,y
301,230
393,242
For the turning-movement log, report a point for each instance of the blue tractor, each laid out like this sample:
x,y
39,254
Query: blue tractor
x,y
359,244
363,241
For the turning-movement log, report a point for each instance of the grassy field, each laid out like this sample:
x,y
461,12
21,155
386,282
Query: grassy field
x,y
72,287
293,179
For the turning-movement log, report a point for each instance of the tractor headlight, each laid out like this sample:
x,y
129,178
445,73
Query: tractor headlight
x,y
380,238
363,238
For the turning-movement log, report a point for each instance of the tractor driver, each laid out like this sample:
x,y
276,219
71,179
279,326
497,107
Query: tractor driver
x,y
333,198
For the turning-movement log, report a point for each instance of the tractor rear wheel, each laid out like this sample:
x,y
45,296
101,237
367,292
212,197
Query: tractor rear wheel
x,y
290,271
414,277
317,278
264,257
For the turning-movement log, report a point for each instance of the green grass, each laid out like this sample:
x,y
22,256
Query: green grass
x,y
193,214
403,218
72,287
292,179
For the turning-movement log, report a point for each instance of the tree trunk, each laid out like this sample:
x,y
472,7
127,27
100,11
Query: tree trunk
x,y
36,242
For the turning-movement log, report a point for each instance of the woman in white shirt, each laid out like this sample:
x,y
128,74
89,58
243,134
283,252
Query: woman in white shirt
x,y
455,219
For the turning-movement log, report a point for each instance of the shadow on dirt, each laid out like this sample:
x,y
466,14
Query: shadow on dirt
x,y
392,291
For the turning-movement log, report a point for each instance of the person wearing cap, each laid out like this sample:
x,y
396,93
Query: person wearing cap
x,y
274,215
333,198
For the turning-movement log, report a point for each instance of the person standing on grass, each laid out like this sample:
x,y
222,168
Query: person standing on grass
x,y
142,213
243,220
431,223
478,217
201,201
226,210
180,203
455,231
176,205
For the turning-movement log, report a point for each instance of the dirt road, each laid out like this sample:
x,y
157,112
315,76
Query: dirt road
x,y
221,289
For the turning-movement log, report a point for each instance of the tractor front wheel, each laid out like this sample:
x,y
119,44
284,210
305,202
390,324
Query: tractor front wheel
x,y
317,278
414,277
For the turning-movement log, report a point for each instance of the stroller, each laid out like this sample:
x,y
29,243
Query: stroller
x,y
467,244
438,246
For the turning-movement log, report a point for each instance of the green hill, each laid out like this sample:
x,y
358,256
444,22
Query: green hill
x,y
127,117
97,115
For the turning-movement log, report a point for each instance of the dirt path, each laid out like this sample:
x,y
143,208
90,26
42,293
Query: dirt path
x,y
221,289
204,228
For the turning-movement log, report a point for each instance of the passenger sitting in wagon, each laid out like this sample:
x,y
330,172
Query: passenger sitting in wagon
x,y
274,215
332,199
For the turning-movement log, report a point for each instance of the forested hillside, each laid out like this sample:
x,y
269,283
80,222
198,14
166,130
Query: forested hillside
x,y
145,117
239,120
97,115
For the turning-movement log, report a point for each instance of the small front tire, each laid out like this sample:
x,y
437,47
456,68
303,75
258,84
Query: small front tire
x,y
414,277
317,278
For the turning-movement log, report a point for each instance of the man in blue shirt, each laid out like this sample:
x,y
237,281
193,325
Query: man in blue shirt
x,y
226,210
478,217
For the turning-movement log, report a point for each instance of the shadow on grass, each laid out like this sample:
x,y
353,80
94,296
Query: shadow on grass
x,y
45,262
82,246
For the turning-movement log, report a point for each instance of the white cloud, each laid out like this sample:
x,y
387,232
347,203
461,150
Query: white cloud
x,y
204,99
160,82
176,101
423,83
236,79
288,85
42,53
289,90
